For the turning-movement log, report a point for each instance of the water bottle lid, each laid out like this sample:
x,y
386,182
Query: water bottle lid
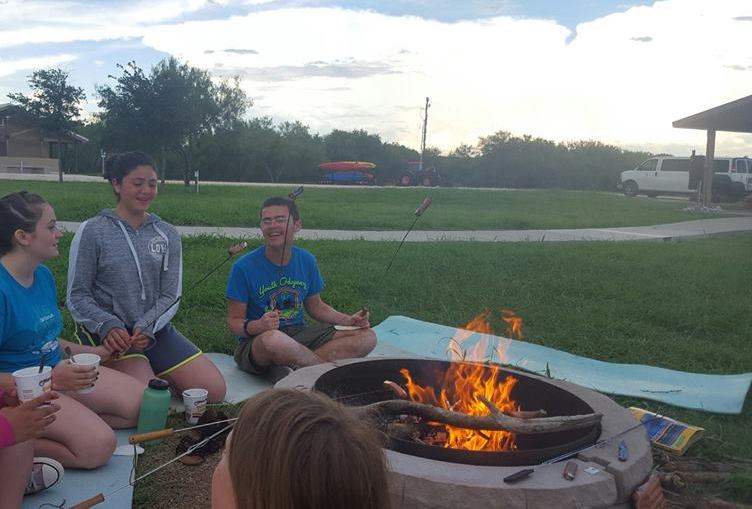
x,y
159,384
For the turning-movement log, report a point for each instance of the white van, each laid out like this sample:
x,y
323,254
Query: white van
x,y
670,175
739,169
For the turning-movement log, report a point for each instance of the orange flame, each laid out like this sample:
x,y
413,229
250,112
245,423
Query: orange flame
x,y
463,384
514,322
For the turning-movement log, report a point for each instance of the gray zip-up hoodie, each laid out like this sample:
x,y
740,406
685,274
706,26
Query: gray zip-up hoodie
x,y
121,277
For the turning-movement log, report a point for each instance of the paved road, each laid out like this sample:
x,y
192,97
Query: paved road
x,y
687,229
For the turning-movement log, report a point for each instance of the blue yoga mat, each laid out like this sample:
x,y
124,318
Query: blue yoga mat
x,y
723,394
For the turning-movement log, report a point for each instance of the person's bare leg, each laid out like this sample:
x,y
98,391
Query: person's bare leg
x,y
78,438
137,367
276,347
15,469
116,398
348,345
200,372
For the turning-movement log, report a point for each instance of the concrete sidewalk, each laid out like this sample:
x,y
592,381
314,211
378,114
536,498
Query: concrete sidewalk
x,y
687,229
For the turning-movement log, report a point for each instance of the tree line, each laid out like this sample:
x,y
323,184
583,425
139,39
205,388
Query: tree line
x,y
189,121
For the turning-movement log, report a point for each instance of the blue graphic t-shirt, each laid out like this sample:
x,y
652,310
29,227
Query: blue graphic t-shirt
x,y
30,321
264,286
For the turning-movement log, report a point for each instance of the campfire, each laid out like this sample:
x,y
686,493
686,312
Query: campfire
x,y
463,386
455,428
466,411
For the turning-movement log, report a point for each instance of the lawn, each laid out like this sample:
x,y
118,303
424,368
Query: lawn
x,y
377,208
679,305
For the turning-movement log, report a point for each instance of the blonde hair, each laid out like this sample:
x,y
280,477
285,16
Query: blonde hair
x,y
292,449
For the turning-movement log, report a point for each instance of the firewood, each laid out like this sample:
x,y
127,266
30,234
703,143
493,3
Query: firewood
x,y
522,414
526,414
485,422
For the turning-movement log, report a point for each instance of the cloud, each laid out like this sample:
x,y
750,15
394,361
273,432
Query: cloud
x,y
241,51
353,68
58,21
740,67
9,67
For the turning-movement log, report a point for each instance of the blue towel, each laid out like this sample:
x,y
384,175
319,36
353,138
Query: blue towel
x,y
723,394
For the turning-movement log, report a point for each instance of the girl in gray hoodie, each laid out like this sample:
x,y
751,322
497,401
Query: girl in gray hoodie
x,y
124,282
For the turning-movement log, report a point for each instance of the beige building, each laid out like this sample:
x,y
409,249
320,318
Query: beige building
x,y
24,148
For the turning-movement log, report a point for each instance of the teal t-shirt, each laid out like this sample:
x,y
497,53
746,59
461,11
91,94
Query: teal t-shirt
x,y
30,321
264,286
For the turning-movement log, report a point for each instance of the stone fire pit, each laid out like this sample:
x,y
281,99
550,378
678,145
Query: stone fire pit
x,y
426,483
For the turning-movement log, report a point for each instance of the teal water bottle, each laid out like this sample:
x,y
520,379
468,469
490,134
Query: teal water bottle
x,y
154,407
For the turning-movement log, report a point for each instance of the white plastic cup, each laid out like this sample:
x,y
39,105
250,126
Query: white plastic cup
x,y
195,404
86,359
30,383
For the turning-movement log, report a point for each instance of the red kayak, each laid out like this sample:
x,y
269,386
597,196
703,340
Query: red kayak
x,y
347,166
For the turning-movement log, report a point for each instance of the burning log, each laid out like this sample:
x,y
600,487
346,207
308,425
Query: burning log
x,y
522,414
487,422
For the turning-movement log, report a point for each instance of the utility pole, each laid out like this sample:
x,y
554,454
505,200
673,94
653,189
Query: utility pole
x,y
423,136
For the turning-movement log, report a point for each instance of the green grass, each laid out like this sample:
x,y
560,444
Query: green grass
x,y
377,209
678,305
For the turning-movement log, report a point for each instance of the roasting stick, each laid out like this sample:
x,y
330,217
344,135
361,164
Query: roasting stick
x,y
231,251
168,432
100,497
418,212
292,196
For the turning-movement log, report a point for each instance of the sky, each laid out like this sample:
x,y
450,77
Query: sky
x,y
616,71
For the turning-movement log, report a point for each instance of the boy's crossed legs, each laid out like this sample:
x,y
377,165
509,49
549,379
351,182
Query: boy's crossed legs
x,y
298,347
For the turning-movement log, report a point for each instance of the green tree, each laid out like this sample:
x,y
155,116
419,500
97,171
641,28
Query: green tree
x,y
301,152
168,110
54,104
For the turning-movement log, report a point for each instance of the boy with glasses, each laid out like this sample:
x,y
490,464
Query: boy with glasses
x,y
268,291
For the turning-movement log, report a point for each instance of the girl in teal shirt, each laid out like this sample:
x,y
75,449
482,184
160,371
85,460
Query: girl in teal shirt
x,y
81,436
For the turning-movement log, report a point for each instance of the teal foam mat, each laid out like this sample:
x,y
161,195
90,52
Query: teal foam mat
x,y
713,393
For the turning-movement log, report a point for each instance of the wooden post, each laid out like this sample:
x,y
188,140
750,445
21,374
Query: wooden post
x,y
707,179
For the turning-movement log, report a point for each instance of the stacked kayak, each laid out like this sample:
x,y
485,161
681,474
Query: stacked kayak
x,y
347,172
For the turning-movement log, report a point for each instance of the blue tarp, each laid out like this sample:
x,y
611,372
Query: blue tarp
x,y
713,393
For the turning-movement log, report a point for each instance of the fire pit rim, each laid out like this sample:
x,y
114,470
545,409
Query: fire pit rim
x,y
616,419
